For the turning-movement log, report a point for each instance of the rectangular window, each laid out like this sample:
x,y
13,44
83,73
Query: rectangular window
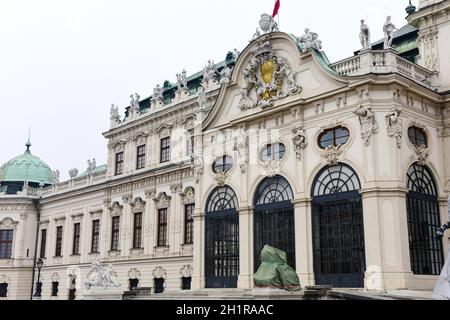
x,y
162,227
140,158
59,238
95,236
186,283
165,150
6,241
189,224
115,233
137,232
43,243
76,239
3,290
119,163
55,286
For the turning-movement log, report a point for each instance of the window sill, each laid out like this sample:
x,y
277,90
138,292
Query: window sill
x,y
162,247
75,255
93,253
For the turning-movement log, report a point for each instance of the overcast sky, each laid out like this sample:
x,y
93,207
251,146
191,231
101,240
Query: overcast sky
x,y
63,63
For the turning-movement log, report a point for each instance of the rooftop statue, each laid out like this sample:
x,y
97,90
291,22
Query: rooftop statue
x,y
57,176
364,35
209,72
158,94
182,81
73,173
225,75
310,40
388,29
203,104
268,24
114,115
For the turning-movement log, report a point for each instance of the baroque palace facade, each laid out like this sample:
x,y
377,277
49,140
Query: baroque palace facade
x,y
344,166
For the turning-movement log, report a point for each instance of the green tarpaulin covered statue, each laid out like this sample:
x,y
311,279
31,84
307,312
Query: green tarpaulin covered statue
x,y
274,271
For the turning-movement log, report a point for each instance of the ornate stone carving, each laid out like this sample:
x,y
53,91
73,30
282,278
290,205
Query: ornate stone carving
x,y
209,73
92,165
188,196
299,140
264,78
134,104
310,40
182,81
60,220
221,178
56,177
364,35
202,102
77,218
160,273
127,198
267,23
368,121
428,48
176,188
116,209
241,147
272,167
332,153
225,75
138,205
422,154
150,194
395,124
199,167
186,271
103,277
388,29
162,201
8,224
134,274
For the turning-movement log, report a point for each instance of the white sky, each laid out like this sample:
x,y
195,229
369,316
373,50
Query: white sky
x,y
63,63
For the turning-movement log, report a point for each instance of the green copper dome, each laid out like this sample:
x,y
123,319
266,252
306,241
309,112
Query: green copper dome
x,y
26,167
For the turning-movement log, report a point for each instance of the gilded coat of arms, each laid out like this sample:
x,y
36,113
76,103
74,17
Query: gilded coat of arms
x,y
268,77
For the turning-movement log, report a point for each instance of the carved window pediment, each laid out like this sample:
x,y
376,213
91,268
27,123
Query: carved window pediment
x,y
119,146
164,130
8,224
138,205
186,271
188,196
116,209
160,273
162,201
60,220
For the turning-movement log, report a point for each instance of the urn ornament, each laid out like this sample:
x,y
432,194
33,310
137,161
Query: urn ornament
x,y
265,23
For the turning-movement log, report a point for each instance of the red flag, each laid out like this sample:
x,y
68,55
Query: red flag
x,y
277,7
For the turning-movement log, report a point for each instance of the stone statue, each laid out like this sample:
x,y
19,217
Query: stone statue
x,y
236,54
182,81
256,35
395,124
267,23
56,176
73,173
388,29
368,121
225,75
199,167
286,70
114,115
103,277
310,40
209,72
158,94
364,36
202,102
299,140
91,166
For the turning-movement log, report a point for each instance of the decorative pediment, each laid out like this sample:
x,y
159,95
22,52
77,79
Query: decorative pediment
x,y
186,271
134,274
160,273
8,224
77,217
188,196
140,138
116,209
118,146
164,129
162,201
138,205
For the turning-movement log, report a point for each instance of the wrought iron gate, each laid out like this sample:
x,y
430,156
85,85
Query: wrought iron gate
x,y
222,249
274,226
338,240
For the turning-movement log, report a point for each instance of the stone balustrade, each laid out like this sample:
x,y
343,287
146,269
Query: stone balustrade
x,y
384,62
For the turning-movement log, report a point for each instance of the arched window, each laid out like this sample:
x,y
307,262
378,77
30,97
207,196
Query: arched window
x,y
337,179
273,190
338,228
274,223
334,137
426,250
221,199
222,239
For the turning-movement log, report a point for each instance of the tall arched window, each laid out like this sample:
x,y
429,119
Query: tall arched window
x,y
274,218
426,250
222,239
338,228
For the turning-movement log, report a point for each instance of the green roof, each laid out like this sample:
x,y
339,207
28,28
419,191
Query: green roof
x,y
98,169
26,167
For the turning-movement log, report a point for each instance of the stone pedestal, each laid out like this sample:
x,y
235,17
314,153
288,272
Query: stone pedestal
x,y
103,294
